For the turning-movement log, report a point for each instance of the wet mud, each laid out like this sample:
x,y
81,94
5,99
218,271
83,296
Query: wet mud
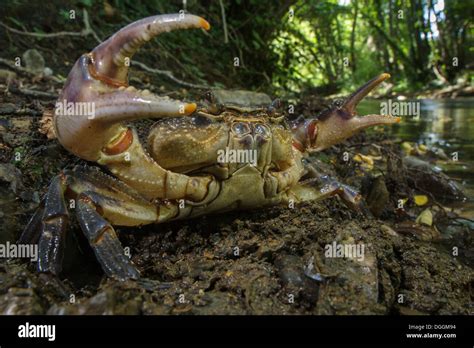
x,y
266,261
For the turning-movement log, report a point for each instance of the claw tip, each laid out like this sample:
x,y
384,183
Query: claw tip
x,y
190,108
204,24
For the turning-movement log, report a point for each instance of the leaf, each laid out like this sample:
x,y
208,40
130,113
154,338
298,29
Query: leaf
x,y
425,218
420,200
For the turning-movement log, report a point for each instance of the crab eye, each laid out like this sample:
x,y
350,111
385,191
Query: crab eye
x,y
240,128
209,96
338,103
262,130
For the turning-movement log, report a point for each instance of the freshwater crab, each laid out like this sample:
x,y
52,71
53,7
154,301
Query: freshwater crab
x,y
178,176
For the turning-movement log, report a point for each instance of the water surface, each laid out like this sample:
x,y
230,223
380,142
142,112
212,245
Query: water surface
x,y
444,123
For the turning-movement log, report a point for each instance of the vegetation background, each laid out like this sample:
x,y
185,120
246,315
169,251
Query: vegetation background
x,y
283,47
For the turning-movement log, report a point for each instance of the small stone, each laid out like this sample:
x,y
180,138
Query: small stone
x,y
34,61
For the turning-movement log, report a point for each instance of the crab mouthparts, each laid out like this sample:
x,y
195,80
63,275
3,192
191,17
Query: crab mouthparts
x,y
351,103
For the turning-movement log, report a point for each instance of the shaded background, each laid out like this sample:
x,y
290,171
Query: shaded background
x,y
283,47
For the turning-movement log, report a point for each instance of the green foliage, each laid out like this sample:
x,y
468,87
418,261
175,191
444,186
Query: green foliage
x,y
334,45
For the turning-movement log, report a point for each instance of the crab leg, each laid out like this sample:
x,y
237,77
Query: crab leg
x,y
350,196
103,240
32,231
101,202
311,190
319,186
55,221
48,226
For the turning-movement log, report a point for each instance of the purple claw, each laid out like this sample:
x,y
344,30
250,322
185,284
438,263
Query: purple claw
x,y
96,97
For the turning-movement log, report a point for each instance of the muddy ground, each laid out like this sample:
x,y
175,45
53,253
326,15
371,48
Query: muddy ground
x,y
268,261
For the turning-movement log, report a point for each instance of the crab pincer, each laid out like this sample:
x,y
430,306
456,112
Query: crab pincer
x,y
101,79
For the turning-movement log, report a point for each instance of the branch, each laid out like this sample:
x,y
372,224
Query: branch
x,y
85,32
224,22
26,71
389,41
168,74
41,35
89,31
33,93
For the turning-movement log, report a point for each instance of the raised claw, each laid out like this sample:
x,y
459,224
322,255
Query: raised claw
x,y
340,122
110,57
96,97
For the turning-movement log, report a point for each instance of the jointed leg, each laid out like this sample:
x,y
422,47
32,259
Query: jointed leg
x,y
319,186
103,240
100,201
48,226
32,231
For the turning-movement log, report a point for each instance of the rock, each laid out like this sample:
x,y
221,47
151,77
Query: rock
x,y
7,108
378,196
105,302
20,301
389,231
47,71
34,61
12,175
239,98
423,176
421,232
410,311
351,275
292,275
268,250
6,76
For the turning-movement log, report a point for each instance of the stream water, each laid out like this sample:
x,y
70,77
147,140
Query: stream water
x,y
444,123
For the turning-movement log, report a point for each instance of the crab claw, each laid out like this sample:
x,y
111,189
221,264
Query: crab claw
x,y
112,57
96,98
341,122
